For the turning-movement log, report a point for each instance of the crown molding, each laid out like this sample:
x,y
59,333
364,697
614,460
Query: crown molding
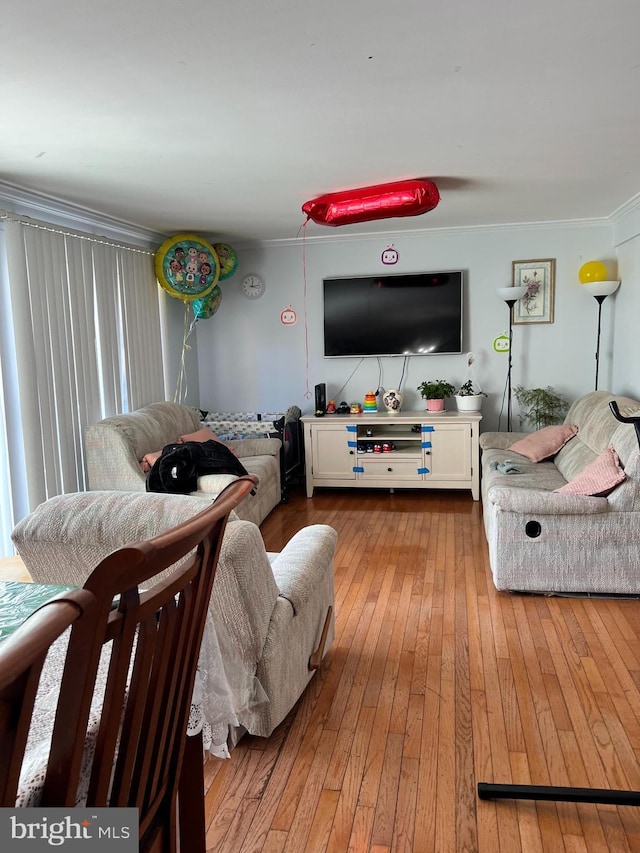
x,y
25,202
457,231
626,221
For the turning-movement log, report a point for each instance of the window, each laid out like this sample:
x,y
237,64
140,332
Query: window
x,y
81,339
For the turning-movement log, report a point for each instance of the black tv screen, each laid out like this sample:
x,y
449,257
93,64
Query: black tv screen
x,y
415,314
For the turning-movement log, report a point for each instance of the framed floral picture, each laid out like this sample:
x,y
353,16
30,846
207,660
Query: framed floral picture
x,y
539,277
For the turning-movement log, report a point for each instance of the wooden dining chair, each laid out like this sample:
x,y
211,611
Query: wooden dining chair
x,y
153,628
22,656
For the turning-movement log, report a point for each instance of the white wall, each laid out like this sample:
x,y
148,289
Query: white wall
x,y
626,354
248,360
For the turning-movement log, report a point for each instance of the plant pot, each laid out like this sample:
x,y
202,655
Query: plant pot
x,y
470,403
435,405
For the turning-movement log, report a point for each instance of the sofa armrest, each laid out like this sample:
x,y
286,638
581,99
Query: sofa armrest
x,y
500,440
111,460
540,502
243,447
302,561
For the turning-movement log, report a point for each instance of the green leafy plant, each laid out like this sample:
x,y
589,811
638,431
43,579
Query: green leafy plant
x,y
541,407
436,389
467,389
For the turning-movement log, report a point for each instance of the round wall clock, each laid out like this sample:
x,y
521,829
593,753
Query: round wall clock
x,y
253,286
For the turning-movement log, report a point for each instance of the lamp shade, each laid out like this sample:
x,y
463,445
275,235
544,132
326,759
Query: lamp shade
x,y
601,288
511,293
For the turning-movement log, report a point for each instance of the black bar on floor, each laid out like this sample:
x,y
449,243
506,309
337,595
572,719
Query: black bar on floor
x,y
604,796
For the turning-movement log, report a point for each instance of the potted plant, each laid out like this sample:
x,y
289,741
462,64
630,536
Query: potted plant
x,y
434,392
541,407
468,397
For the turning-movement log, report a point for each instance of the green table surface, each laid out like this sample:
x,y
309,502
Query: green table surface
x,y
19,600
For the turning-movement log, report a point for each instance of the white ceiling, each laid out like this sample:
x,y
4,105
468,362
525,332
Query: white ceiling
x,y
223,117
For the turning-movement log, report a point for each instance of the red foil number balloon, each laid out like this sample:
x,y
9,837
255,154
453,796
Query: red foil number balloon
x,y
383,201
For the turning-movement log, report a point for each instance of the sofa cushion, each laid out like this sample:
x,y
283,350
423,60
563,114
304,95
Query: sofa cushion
x,y
598,478
544,443
533,475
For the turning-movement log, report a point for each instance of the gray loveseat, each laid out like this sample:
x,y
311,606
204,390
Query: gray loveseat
x,y
115,447
541,541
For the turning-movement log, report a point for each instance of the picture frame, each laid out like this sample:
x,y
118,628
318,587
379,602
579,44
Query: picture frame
x,y
539,277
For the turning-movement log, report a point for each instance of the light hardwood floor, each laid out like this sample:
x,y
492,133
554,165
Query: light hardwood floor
x,y
436,681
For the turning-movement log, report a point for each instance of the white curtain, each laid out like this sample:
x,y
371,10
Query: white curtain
x,y
85,320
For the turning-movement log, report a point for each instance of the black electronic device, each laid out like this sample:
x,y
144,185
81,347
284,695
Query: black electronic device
x,y
393,314
321,399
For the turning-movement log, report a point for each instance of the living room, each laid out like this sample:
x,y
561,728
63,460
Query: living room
x,y
400,558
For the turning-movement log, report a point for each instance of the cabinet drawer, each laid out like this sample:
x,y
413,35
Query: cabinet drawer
x,y
390,468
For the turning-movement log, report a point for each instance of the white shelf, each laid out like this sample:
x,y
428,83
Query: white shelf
x,y
443,454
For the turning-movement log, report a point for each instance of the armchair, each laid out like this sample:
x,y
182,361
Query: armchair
x,y
267,615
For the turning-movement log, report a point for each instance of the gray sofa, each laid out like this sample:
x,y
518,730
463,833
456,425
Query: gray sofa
x,y
267,611
541,541
115,447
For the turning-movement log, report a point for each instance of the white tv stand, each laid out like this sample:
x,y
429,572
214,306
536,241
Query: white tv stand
x,y
430,450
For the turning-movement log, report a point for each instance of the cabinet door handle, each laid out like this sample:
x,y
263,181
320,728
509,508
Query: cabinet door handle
x,y
427,453
389,469
351,453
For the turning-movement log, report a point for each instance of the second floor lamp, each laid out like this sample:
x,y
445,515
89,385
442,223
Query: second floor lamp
x,y
600,290
510,295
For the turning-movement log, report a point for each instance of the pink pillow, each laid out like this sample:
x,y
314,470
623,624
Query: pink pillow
x,y
148,460
544,443
203,434
599,477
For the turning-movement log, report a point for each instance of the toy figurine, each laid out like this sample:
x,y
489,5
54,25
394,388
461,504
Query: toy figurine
x,y
331,407
356,409
370,404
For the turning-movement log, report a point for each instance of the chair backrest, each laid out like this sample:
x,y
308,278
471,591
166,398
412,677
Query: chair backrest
x,y
154,630
22,656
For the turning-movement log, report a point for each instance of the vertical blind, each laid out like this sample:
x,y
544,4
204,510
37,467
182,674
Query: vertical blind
x,y
85,319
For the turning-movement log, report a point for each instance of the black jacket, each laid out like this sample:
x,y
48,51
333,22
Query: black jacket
x,y
178,467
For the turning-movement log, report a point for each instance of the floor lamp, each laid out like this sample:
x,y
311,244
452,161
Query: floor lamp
x,y
510,295
600,290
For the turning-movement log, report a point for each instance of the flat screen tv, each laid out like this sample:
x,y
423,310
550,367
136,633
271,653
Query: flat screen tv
x,y
397,314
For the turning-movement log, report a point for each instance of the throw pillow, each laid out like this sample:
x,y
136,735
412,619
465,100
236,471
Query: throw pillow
x,y
201,435
599,477
544,443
